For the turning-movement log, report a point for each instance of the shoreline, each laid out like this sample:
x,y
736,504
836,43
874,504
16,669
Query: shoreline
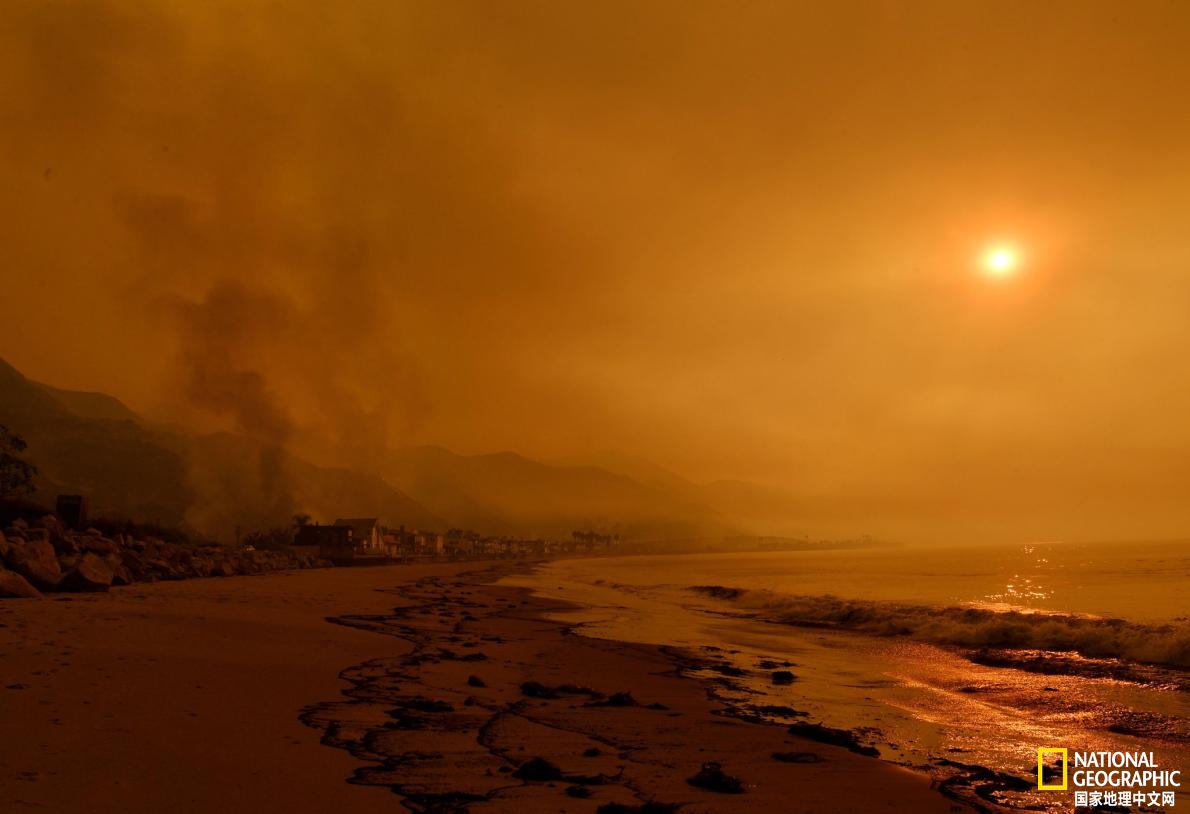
x,y
219,695
503,709
936,709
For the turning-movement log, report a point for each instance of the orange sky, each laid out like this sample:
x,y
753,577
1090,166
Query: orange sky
x,y
739,239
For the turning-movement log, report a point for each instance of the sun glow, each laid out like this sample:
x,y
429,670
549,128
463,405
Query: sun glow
x,y
1001,262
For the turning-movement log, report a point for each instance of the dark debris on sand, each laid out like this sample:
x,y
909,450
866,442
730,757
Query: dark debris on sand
x,y
986,784
616,699
712,778
537,769
718,591
535,689
777,711
422,704
832,736
797,757
769,664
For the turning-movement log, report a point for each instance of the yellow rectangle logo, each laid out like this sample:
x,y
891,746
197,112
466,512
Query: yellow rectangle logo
x,y
1042,751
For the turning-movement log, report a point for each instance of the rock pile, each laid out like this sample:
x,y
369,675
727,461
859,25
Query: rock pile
x,y
48,557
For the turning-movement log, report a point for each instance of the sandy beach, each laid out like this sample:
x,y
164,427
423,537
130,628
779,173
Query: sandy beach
x,y
239,695
184,696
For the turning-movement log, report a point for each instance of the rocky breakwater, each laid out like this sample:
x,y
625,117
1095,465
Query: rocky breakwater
x,y
46,557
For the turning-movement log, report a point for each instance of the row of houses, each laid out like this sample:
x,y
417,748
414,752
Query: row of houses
x,y
341,541
360,540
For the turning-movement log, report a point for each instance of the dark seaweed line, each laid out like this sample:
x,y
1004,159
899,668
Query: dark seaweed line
x,y
364,688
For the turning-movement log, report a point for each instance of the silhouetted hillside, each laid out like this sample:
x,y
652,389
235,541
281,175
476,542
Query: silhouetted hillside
x,y
123,467
91,405
755,508
92,444
505,492
640,469
768,510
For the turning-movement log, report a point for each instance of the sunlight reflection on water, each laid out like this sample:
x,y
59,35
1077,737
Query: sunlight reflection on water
x,y
918,702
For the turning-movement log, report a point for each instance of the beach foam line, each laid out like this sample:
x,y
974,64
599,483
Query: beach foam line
x,y
1166,645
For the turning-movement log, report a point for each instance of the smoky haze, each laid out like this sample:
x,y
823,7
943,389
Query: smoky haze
x,y
740,241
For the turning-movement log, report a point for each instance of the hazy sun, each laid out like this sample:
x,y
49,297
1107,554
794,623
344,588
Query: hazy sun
x,y
1001,261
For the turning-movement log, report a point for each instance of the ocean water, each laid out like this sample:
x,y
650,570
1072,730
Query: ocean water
x,y
975,655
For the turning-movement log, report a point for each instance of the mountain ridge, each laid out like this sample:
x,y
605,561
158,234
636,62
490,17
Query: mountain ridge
x,y
92,443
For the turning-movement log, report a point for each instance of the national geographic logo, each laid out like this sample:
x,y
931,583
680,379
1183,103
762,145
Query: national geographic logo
x,y
1107,778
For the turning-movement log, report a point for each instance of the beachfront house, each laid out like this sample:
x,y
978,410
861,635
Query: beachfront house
x,y
334,543
366,534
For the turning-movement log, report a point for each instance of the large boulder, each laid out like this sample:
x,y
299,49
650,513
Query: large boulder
x,y
134,563
99,545
14,586
200,566
65,544
34,560
91,573
163,569
120,573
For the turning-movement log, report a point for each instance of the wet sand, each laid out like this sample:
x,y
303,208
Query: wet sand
x,y
226,695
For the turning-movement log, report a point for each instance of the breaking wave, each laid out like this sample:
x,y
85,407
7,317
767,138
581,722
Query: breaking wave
x,y
1091,637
